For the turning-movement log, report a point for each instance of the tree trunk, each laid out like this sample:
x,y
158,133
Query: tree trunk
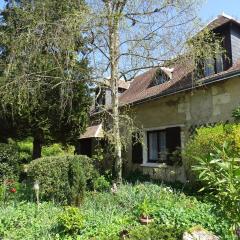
x,y
37,145
114,55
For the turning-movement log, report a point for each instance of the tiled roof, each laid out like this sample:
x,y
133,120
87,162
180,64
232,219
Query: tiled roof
x,y
121,84
93,132
139,89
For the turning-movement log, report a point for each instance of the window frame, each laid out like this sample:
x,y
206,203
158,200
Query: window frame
x,y
158,146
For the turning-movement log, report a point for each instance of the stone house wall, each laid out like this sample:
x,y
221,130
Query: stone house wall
x,y
207,104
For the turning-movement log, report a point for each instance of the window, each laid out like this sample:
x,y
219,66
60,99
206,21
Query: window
x,y
159,78
209,67
162,145
219,64
213,66
157,146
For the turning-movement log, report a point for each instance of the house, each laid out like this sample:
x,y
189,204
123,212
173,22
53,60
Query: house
x,y
169,107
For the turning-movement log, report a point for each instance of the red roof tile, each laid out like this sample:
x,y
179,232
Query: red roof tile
x,y
139,89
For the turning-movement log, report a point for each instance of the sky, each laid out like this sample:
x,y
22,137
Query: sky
x,y
210,9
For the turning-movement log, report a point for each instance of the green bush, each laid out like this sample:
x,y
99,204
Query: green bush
x,y
220,174
9,161
26,147
155,232
101,184
236,114
206,140
62,179
57,149
25,150
71,221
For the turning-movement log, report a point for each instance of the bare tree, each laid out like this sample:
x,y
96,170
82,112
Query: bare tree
x,y
131,36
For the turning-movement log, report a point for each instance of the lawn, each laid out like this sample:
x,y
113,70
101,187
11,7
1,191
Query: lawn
x,y
104,215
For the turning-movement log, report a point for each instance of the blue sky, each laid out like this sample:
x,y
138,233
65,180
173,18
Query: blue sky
x,y
210,9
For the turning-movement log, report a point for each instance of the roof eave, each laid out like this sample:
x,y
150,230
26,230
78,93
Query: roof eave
x,y
211,80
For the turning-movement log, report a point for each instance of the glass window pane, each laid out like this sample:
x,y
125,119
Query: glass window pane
x,y
153,146
162,146
209,67
219,64
162,141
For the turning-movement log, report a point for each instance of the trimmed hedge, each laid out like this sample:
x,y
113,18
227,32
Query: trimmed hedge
x,y
62,178
9,161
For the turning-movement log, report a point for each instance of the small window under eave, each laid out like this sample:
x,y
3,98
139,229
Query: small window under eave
x,y
159,78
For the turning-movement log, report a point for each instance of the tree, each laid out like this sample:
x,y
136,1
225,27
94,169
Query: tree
x,y
43,70
130,36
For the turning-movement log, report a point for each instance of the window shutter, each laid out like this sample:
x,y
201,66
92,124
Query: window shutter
x,y
173,141
137,150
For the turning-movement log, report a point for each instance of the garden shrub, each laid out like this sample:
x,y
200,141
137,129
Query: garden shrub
x,y
220,175
155,231
101,184
71,221
62,179
9,161
206,140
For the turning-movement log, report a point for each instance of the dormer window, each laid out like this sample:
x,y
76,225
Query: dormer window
x,y
159,78
213,66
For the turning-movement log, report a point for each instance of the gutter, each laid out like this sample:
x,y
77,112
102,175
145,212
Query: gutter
x,y
172,92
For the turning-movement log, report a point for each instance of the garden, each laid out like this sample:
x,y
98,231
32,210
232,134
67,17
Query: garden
x,y
65,196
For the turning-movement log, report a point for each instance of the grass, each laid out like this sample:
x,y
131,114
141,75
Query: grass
x,y
105,215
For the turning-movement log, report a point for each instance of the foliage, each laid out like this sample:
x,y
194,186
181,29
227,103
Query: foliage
x,y
109,214
104,215
26,221
220,174
144,208
57,149
62,178
206,139
26,148
9,161
101,184
43,70
155,232
236,114
71,221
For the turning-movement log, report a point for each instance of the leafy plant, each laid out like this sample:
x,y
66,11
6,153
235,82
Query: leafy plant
x,y
236,114
101,184
71,221
206,140
144,208
220,174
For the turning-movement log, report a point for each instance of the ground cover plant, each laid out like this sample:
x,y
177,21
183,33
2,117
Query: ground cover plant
x,y
106,215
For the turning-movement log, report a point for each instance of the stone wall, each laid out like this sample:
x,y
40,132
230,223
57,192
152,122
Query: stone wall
x,y
206,104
